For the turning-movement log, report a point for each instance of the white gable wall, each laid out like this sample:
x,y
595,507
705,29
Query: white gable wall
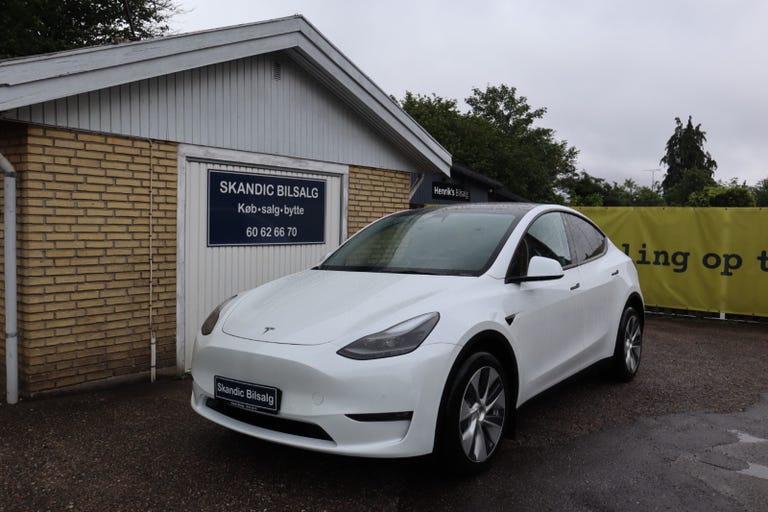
x,y
234,105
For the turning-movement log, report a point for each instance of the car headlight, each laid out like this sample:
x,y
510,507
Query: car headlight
x,y
210,322
399,339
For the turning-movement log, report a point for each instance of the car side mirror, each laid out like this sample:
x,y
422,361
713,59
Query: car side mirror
x,y
539,269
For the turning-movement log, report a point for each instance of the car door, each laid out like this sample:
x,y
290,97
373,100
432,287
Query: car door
x,y
544,317
600,285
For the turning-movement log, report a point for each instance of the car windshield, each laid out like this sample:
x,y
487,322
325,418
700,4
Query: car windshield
x,y
445,241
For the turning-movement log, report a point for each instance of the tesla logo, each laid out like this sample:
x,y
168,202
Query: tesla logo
x,y
267,329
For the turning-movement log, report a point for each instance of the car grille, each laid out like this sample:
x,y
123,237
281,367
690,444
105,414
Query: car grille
x,y
277,424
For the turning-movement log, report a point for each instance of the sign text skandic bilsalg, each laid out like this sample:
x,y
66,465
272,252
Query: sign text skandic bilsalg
x,y
254,209
268,189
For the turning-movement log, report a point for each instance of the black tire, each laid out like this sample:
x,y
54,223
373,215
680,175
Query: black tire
x,y
629,345
476,407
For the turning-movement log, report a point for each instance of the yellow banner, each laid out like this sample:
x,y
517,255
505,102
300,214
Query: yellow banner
x,y
701,259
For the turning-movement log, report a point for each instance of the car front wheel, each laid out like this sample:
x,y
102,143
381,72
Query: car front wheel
x,y
629,344
475,414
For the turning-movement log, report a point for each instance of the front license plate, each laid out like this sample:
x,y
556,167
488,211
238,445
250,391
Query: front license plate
x,y
247,395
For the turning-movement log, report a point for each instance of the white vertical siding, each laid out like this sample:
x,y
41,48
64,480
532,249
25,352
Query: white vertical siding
x,y
211,274
234,105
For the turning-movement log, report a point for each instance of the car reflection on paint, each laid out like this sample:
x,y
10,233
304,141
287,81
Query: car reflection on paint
x,y
423,333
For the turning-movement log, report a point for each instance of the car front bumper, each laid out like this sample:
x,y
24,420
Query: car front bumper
x,y
393,402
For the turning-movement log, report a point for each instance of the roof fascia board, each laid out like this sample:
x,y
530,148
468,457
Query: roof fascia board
x,y
375,112
48,77
72,84
104,57
327,57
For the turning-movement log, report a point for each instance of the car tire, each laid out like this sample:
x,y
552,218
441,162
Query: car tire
x,y
629,345
475,415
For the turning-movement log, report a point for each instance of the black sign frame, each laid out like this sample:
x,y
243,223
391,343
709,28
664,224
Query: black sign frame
x,y
264,209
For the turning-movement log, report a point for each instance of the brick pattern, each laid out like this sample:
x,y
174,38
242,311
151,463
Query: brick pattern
x,y
84,258
374,193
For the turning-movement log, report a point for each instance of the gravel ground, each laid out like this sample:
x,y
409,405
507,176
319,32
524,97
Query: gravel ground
x,y
140,447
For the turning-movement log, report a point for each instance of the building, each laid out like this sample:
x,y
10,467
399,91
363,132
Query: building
x,y
463,185
154,179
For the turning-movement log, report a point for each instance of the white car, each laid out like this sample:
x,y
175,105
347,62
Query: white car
x,y
423,333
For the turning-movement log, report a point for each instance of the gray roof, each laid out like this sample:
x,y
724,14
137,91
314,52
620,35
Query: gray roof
x,y
40,78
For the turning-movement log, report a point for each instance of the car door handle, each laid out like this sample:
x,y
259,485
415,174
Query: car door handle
x,y
615,273
575,287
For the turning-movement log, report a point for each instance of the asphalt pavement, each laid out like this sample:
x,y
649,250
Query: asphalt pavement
x,y
689,433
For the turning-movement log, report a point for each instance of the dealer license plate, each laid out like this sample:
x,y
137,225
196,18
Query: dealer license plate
x,y
247,395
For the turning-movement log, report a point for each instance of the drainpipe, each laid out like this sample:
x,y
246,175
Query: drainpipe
x,y
11,330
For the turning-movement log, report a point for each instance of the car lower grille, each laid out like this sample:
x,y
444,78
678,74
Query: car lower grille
x,y
284,425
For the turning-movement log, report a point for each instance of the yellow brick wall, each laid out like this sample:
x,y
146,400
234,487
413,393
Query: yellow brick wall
x,y
84,256
374,193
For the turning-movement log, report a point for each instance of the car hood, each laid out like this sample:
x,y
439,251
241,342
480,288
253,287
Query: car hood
x,y
321,306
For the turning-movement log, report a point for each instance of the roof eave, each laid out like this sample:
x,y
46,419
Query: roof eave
x,y
47,77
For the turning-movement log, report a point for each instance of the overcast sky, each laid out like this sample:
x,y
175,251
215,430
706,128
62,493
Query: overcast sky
x,y
613,74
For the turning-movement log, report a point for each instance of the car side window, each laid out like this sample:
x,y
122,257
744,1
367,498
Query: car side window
x,y
587,240
545,237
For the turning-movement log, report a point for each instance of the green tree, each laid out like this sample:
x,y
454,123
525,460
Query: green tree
x,y
498,137
583,189
689,167
730,195
647,197
29,27
691,181
761,192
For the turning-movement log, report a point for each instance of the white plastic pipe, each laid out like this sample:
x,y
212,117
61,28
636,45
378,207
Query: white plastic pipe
x,y
153,359
9,246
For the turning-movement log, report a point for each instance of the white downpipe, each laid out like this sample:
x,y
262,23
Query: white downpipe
x,y
152,337
9,246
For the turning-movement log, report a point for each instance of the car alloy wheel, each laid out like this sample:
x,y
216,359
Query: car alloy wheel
x,y
475,413
629,344
481,419
633,343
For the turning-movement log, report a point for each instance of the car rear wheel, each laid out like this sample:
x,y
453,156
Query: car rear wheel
x,y
475,414
629,345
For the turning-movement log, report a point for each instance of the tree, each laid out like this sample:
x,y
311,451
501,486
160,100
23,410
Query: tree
x,y
498,137
691,181
648,197
761,192
583,189
689,168
730,195
586,190
30,27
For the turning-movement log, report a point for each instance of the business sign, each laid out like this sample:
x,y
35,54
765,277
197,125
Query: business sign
x,y
449,192
254,209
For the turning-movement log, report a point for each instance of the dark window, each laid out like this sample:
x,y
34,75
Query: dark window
x,y
547,238
587,240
